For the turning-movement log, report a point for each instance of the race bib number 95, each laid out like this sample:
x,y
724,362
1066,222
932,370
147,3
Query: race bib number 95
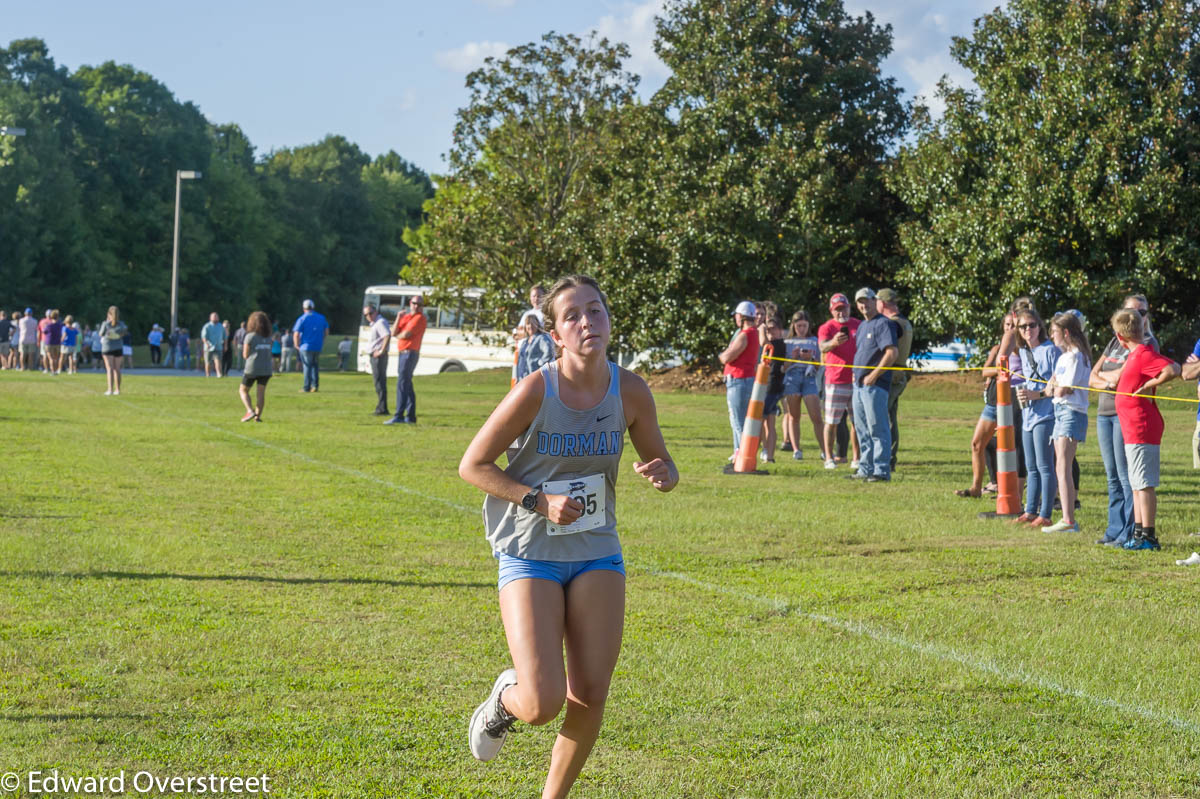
x,y
587,491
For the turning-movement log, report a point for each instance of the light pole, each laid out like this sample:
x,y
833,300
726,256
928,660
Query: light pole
x,y
180,176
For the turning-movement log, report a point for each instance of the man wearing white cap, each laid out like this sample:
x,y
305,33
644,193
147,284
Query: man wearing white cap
x,y
740,359
308,334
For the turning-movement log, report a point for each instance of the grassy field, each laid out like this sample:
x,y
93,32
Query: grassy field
x,y
311,598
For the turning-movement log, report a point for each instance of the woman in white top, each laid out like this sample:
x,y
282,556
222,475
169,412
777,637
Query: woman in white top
x,y
1069,385
569,419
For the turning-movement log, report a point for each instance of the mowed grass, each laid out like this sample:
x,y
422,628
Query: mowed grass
x,y
311,598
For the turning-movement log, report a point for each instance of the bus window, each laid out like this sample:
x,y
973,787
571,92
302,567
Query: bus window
x,y
450,317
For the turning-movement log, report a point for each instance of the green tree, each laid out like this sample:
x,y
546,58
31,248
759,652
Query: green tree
x,y
49,188
1070,174
761,171
522,200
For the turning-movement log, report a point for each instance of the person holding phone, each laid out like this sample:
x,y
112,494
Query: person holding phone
x,y
836,341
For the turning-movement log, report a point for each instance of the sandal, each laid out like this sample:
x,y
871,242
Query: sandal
x,y
966,492
991,488
1024,518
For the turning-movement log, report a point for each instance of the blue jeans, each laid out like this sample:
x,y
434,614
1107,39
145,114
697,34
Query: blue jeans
x,y
311,368
874,431
1120,494
1040,483
406,398
737,396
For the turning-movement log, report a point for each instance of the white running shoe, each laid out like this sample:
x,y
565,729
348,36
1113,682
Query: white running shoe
x,y
798,455
1061,526
490,722
829,464
115,393
854,464
108,393
1193,560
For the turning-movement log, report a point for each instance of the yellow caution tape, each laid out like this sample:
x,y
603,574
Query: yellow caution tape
x,y
977,369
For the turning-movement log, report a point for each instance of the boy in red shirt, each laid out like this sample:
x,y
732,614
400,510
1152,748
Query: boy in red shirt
x,y
1141,422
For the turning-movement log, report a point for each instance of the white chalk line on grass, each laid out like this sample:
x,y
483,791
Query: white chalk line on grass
x,y
936,651
939,652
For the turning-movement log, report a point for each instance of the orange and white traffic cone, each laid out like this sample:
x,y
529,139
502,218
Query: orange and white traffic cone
x,y
516,358
1008,501
746,462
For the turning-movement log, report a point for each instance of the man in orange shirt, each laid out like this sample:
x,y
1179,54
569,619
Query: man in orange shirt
x,y
408,332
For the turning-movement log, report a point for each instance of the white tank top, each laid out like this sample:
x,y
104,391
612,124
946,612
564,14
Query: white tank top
x,y
581,451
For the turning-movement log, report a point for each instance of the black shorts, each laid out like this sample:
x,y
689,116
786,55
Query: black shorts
x,y
249,380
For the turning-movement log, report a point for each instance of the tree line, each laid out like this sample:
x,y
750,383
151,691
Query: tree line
x,y
778,161
87,204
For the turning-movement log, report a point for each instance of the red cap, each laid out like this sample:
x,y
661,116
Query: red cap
x,y
839,299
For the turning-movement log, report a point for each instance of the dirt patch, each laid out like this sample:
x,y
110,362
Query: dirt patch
x,y
693,379
946,386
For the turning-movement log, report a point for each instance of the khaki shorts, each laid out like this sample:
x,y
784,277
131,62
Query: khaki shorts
x,y
29,348
5,348
1143,465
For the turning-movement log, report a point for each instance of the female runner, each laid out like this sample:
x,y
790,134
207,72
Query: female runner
x,y
550,520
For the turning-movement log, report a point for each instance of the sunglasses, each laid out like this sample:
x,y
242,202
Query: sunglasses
x,y
1028,326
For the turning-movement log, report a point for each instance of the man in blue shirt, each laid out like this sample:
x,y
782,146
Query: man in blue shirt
x,y
309,336
875,346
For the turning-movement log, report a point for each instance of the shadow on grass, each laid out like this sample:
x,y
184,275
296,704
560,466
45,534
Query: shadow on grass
x,y
249,578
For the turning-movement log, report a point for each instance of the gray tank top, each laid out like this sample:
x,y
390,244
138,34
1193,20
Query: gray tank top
x,y
563,444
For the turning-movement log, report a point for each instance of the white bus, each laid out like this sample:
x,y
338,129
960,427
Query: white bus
x,y
452,341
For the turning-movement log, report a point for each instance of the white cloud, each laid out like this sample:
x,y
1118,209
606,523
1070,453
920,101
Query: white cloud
x,y
407,101
921,31
470,56
634,26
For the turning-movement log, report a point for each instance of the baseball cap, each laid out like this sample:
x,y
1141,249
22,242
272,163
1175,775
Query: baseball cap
x,y
864,293
28,310
838,299
745,308
887,295
307,304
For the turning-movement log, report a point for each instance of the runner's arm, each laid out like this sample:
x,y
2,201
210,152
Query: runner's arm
x,y
641,418
511,418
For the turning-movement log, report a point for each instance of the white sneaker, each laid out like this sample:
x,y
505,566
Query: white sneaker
x,y
1193,560
108,393
854,464
115,393
829,464
797,455
490,722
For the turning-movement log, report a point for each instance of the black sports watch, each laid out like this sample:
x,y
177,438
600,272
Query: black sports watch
x,y
529,501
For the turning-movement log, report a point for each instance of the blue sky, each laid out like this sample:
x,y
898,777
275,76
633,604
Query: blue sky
x,y
387,75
